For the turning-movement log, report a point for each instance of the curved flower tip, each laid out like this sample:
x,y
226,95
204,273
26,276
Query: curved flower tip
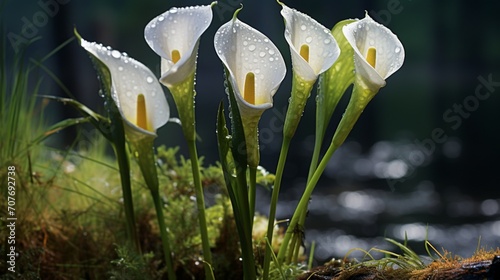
x,y
254,63
378,53
174,35
135,91
312,46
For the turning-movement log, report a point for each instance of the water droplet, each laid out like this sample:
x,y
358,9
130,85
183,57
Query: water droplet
x,y
271,52
116,54
149,80
153,93
173,10
309,39
303,27
120,68
262,54
372,42
327,41
161,18
251,48
257,71
271,59
397,50
129,93
245,43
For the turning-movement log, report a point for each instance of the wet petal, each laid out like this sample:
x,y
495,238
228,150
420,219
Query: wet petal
x,y
312,46
369,38
131,80
174,35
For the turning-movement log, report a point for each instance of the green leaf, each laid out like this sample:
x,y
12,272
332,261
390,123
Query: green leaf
x,y
225,157
238,146
100,122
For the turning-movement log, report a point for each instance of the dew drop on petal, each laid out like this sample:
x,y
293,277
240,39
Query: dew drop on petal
x,y
161,18
129,93
120,68
271,59
149,80
173,10
397,50
327,41
262,54
116,54
245,43
271,52
303,27
309,39
251,48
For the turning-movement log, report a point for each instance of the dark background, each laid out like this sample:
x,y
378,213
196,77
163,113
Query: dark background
x,y
390,154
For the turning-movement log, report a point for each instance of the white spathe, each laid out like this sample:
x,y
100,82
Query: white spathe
x,y
178,30
365,34
243,49
300,30
129,79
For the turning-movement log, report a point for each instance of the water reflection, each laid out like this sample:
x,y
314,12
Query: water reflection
x,y
356,212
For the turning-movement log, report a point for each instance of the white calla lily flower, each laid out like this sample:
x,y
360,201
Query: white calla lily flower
x,y
135,91
174,36
312,46
378,53
255,64
256,70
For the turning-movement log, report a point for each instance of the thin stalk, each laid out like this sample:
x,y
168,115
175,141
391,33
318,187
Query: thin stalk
x,y
359,99
311,255
274,202
124,168
144,154
304,200
321,124
200,203
245,224
292,249
167,251
252,189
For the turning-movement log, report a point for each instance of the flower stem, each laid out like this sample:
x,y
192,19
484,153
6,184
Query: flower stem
x,y
252,189
274,202
124,167
360,97
200,203
144,153
167,251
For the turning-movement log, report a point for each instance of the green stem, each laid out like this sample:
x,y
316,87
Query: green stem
x,y
252,189
304,200
200,203
144,153
274,202
359,99
321,124
244,223
167,251
124,167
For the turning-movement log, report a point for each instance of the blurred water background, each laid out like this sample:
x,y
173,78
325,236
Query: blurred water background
x,y
421,162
